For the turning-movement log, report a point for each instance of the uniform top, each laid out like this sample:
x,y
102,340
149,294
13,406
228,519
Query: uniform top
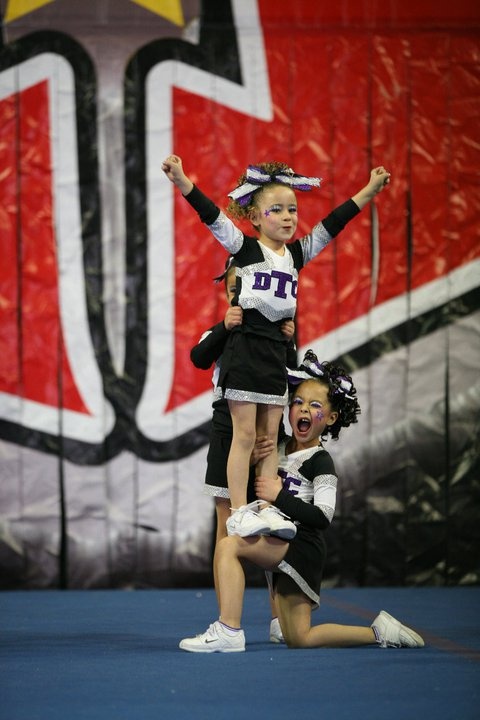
x,y
267,282
308,495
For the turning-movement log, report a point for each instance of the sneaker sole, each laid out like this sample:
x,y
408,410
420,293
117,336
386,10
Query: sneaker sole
x,y
208,651
283,534
419,642
249,533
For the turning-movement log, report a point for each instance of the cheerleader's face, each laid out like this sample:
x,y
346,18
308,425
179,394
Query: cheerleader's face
x,y
275,214
310,412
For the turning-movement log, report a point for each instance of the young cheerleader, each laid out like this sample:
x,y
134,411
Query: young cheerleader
x,y
253,372
207,352
323,403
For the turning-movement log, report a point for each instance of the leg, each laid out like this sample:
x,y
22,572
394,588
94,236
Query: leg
x,y
295,613
225,635
266,552
243,421
268,422
275,632
222,507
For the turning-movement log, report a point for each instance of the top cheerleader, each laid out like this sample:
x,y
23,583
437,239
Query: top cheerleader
x,y
253,376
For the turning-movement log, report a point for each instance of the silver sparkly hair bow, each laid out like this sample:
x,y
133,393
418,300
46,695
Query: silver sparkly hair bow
x,y
309,368
312,368
256,177
343,386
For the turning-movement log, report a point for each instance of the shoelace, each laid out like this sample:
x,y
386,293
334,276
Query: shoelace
x,y
209,632
254,507
277,511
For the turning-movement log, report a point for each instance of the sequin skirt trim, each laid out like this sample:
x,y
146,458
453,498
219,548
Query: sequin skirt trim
x,y
302,584
255,397
212,491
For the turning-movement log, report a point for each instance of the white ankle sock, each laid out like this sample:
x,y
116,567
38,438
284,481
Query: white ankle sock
x,y
229,630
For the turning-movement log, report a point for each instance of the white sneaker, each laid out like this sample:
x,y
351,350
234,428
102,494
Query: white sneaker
x,y
391,632
215,639
246,522
276,635
279,524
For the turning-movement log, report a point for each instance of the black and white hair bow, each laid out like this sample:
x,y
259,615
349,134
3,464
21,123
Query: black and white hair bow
x,y
256,177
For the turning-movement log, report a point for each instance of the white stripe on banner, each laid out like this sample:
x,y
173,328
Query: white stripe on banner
x,y
394,312
56,71
251,98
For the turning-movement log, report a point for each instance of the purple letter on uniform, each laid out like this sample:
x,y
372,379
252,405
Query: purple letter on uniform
x,y
262,281
283,279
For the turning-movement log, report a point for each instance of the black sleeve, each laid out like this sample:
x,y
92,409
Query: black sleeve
x,y
292,359
209,349
205,207
320,463
303,512
338,218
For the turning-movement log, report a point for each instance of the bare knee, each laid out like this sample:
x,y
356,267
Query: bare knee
x,y
268,421
294,636
295,640
244,422
245,437
227,546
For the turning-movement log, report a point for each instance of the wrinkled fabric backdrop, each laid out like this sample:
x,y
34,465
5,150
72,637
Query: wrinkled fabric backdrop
x,y
106,275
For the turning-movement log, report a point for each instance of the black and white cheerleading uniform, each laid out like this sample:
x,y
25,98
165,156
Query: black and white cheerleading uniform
x,y
254,359
206,353
308,497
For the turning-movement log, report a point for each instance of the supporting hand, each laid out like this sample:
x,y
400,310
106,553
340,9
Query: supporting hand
x,y
268,488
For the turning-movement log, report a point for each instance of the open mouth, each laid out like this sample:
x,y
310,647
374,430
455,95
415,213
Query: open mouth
x,y
303,425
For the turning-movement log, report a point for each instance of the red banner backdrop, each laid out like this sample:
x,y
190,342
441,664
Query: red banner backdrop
x,y
106,278
341,105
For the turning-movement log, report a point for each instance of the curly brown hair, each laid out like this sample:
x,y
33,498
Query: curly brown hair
x,y
242,212
346,404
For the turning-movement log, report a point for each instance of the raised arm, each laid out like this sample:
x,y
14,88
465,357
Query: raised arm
x,y
224,230
379,178
334,223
